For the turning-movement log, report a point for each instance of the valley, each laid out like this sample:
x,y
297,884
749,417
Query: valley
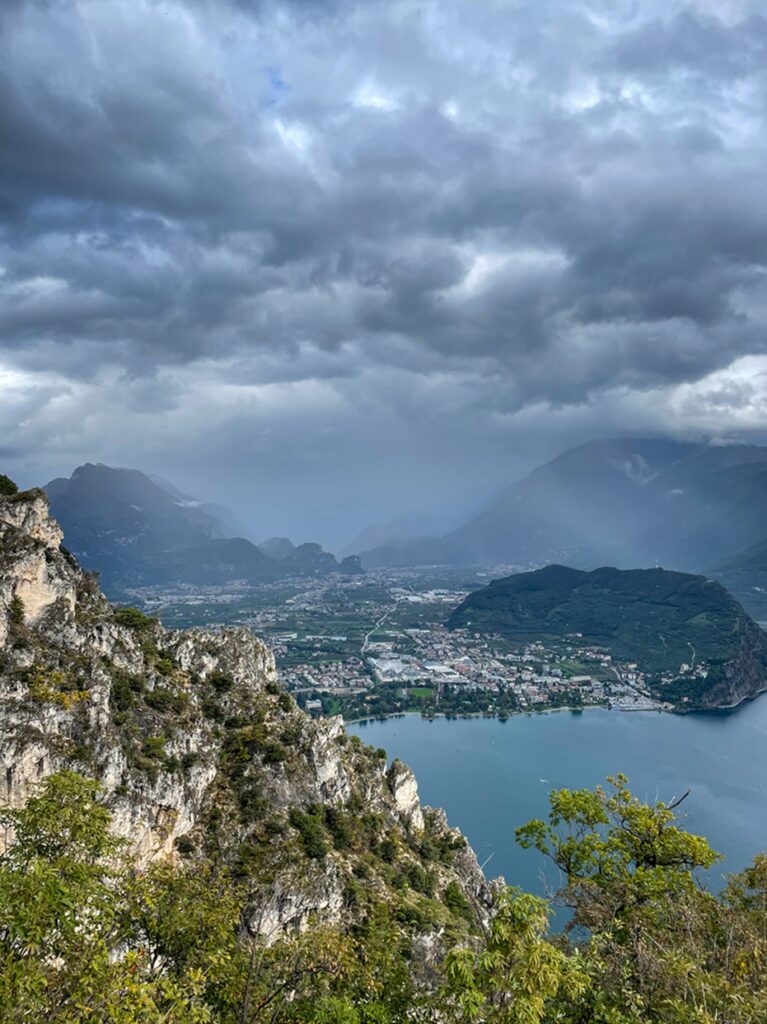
x,y
377,645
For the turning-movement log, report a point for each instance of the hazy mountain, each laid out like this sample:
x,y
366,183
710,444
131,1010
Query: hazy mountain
x,y
402,528
656,618
278,548
136,531
629,503
213,563
118,521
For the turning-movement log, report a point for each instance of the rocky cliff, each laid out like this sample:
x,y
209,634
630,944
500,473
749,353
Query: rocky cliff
x,y
200,752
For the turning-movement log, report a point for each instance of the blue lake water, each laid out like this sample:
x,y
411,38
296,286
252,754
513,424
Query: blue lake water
x,y
492,776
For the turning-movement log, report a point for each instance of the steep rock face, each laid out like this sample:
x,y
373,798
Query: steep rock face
x,y
743,678
199,751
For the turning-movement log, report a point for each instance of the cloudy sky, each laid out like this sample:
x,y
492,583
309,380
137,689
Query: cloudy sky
x,y
329,261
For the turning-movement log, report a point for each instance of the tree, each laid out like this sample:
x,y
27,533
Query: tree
x,y
7,486
656,945
66,954
517,974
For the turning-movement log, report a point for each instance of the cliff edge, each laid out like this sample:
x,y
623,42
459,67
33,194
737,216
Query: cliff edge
x,y
200,752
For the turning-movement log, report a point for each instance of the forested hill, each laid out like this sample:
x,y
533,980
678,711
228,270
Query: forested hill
x,y
657,618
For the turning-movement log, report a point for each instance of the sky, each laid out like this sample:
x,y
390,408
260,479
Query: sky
x,y
328,262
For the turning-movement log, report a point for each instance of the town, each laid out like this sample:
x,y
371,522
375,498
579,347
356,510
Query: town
x,y
376,645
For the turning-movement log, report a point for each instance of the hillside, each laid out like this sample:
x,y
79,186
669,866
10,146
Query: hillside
x,y
200,753
657,618
629,502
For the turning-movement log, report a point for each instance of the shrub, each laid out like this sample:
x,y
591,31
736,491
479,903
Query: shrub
x,y
7,486
212,709
420,880
162,700
313,835
134,619
220,682
122,694
340,828
185,846
153,747
274,752
16,612
455,901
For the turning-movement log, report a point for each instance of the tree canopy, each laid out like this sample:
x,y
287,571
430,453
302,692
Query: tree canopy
x,y
86,937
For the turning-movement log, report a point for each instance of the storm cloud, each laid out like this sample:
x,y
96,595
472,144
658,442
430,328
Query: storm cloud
x,y
334,260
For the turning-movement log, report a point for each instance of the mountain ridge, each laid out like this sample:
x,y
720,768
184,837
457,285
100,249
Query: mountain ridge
x,y
137,531
664,621
626,502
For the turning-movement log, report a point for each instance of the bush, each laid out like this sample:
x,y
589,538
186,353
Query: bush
x,y
340,827
122,694
7,486
220,682
313,835
420,880
274,752
16,612
185,846
162,700
153,747
455,901
212,709
133,619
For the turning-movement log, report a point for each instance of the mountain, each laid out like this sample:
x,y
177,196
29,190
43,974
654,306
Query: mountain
x,y
228,520
657,618
402,528
302,559
212,563
278,548
201,754
628,502
136,531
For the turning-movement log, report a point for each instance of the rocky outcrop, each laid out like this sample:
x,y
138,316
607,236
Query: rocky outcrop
x,y
742,678
199,750
404,789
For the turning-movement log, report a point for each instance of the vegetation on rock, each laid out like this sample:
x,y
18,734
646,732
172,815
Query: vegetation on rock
x,y
86,937
7,486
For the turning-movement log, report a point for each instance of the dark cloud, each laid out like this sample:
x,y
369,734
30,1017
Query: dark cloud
x,y
372,246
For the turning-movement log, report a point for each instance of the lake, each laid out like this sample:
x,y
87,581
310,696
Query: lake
x,y
491,776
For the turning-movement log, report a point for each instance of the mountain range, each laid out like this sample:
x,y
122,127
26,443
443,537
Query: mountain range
x,y
137,531
631,503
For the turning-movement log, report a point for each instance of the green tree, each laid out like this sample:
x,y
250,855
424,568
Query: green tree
x,y
7,486
516,975
655,944
63,921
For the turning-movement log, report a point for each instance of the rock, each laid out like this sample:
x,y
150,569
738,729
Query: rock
x,y
404,789
192,739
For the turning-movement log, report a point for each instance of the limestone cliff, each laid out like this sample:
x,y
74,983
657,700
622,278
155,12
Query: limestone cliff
x,y
200,752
